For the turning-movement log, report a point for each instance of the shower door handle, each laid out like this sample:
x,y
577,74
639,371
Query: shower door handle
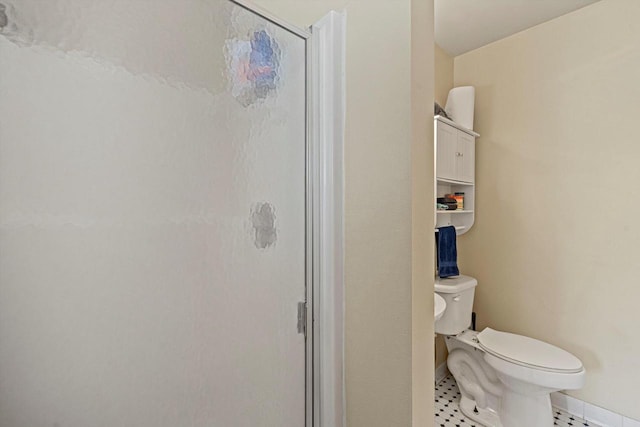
x,y
302,318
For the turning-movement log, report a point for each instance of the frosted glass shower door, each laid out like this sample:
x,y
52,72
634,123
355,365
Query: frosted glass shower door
x,y
152,215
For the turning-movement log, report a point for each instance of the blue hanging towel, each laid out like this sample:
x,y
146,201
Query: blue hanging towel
x,y
447,252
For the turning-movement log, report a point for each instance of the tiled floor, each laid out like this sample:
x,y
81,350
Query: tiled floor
x,y
448,413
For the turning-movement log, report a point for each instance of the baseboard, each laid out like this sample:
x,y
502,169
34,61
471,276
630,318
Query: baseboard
x,y
442,372
586,411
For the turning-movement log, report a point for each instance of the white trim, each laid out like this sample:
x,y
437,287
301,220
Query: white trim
x,y
441,373
313,258
328,89
628,422
588,412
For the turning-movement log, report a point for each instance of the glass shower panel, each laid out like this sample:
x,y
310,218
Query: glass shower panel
x,y
152,215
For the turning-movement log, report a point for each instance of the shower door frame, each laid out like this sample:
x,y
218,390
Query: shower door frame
x,y
325,111
312,404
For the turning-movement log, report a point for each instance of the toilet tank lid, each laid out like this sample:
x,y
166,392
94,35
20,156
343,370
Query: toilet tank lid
x,y
528,351
452,285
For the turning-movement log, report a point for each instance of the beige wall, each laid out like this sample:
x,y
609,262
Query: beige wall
x,y
443,67
556,243
422,52
378,207
443,75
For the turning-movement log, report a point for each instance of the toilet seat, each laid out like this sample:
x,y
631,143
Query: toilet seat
x,y
528,352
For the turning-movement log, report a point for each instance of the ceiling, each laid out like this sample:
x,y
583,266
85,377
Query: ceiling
x,y
464,25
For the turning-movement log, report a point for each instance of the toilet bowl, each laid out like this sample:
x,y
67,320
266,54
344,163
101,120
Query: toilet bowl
x,y
505,379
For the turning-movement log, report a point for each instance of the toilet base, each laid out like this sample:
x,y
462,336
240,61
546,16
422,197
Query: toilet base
x,y
482,416
518,410
525,405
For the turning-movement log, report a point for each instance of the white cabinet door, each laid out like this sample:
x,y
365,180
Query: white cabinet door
x,y
455,154
446,151
465,157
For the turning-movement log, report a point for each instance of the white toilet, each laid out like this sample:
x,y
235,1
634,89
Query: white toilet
x,y
505,380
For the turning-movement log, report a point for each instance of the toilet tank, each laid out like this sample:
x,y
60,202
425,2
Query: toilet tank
x,y
458,293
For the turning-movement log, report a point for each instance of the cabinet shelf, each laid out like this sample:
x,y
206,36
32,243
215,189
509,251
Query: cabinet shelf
x,y
453,181
458,228
455,212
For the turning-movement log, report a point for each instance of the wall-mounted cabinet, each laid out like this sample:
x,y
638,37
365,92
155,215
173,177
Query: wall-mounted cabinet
x,y
455,171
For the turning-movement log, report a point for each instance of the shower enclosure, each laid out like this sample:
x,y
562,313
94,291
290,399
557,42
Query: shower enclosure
x,y
154,215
